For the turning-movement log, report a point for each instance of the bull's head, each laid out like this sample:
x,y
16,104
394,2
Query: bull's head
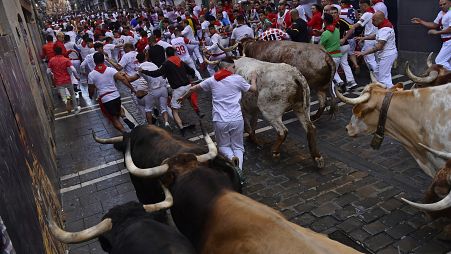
x,y
365,111
435,74
438,197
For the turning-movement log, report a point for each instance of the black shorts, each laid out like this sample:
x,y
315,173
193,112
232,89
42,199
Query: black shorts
x,y
113,107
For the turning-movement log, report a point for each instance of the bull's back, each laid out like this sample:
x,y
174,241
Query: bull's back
x,y
239,224
310,59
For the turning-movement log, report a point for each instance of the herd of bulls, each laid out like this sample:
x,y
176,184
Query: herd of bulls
x,y
202,189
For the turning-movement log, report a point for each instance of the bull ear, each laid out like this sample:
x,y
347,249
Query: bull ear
x,y
168,179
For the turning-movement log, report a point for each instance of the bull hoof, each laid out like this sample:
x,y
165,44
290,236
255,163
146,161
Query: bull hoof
x,y
276,155
319,161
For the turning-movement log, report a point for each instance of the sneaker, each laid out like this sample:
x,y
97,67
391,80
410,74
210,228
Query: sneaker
x,y
236,161
77,110
351,85
129,123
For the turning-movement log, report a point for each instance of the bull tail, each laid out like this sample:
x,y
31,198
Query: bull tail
x,y
333,106
303,87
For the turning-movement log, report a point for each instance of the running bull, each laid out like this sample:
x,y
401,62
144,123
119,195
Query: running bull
x,y
315,64
435,75
281,87
130,228
217,219
150,146
437,202
413,116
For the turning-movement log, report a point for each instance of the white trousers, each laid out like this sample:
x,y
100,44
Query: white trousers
x,y
158,97
189,61
76,64
345,65
370,59
383,73
62,91
194,50
337,78
229,137
444,56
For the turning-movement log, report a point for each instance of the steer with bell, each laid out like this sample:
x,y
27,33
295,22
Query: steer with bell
x,y
411,117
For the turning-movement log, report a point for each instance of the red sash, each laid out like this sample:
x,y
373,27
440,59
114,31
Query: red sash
x,y
102,106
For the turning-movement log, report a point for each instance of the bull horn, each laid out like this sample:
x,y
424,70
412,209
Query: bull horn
x,y
373,78
165,204
227,49
429,60
212,150
444,155
142,172
81,236
107,140
431,78
437,206
211,62
353,101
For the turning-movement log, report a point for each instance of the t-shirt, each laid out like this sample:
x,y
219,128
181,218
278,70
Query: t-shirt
x,y
108,49
274,34
226,96
444,19
104,83
129,62
59,64
72,36
386,34
179,44
154,83
188,33
331,42
365,21
242,31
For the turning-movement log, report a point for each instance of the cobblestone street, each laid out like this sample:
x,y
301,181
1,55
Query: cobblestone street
x,y
355,199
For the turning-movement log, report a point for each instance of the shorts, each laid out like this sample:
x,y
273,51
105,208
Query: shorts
x,y
176,94
113,107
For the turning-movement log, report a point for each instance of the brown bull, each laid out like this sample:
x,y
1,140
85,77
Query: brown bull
x,y
217,219
314,63
413,116
435,75
437,201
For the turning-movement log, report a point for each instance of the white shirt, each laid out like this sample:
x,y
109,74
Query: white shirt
x,y
104,83
154,83
386,34
381,7
129,63
88,62
188,33
214,49
179,44
226,96
108,48
365,21
301,12
71,46
445,20
242,31
72,36
85,51
163,44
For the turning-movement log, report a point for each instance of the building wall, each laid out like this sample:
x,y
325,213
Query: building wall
x,y
414,43
28,176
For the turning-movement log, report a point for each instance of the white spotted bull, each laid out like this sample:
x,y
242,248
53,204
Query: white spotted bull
x,y
281,88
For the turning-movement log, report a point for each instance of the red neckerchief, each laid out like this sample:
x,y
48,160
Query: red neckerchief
x,y
347,6
336,23
377,1
330,28
83,44
370,10
385,23
131,34
222,74
100,68
157,39
175,60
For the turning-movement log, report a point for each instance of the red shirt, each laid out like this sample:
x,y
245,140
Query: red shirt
x,y
59,64
141,44
316,22
61,45
47,51
273,18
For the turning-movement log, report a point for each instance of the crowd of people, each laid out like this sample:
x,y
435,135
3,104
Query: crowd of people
x,y
160,51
